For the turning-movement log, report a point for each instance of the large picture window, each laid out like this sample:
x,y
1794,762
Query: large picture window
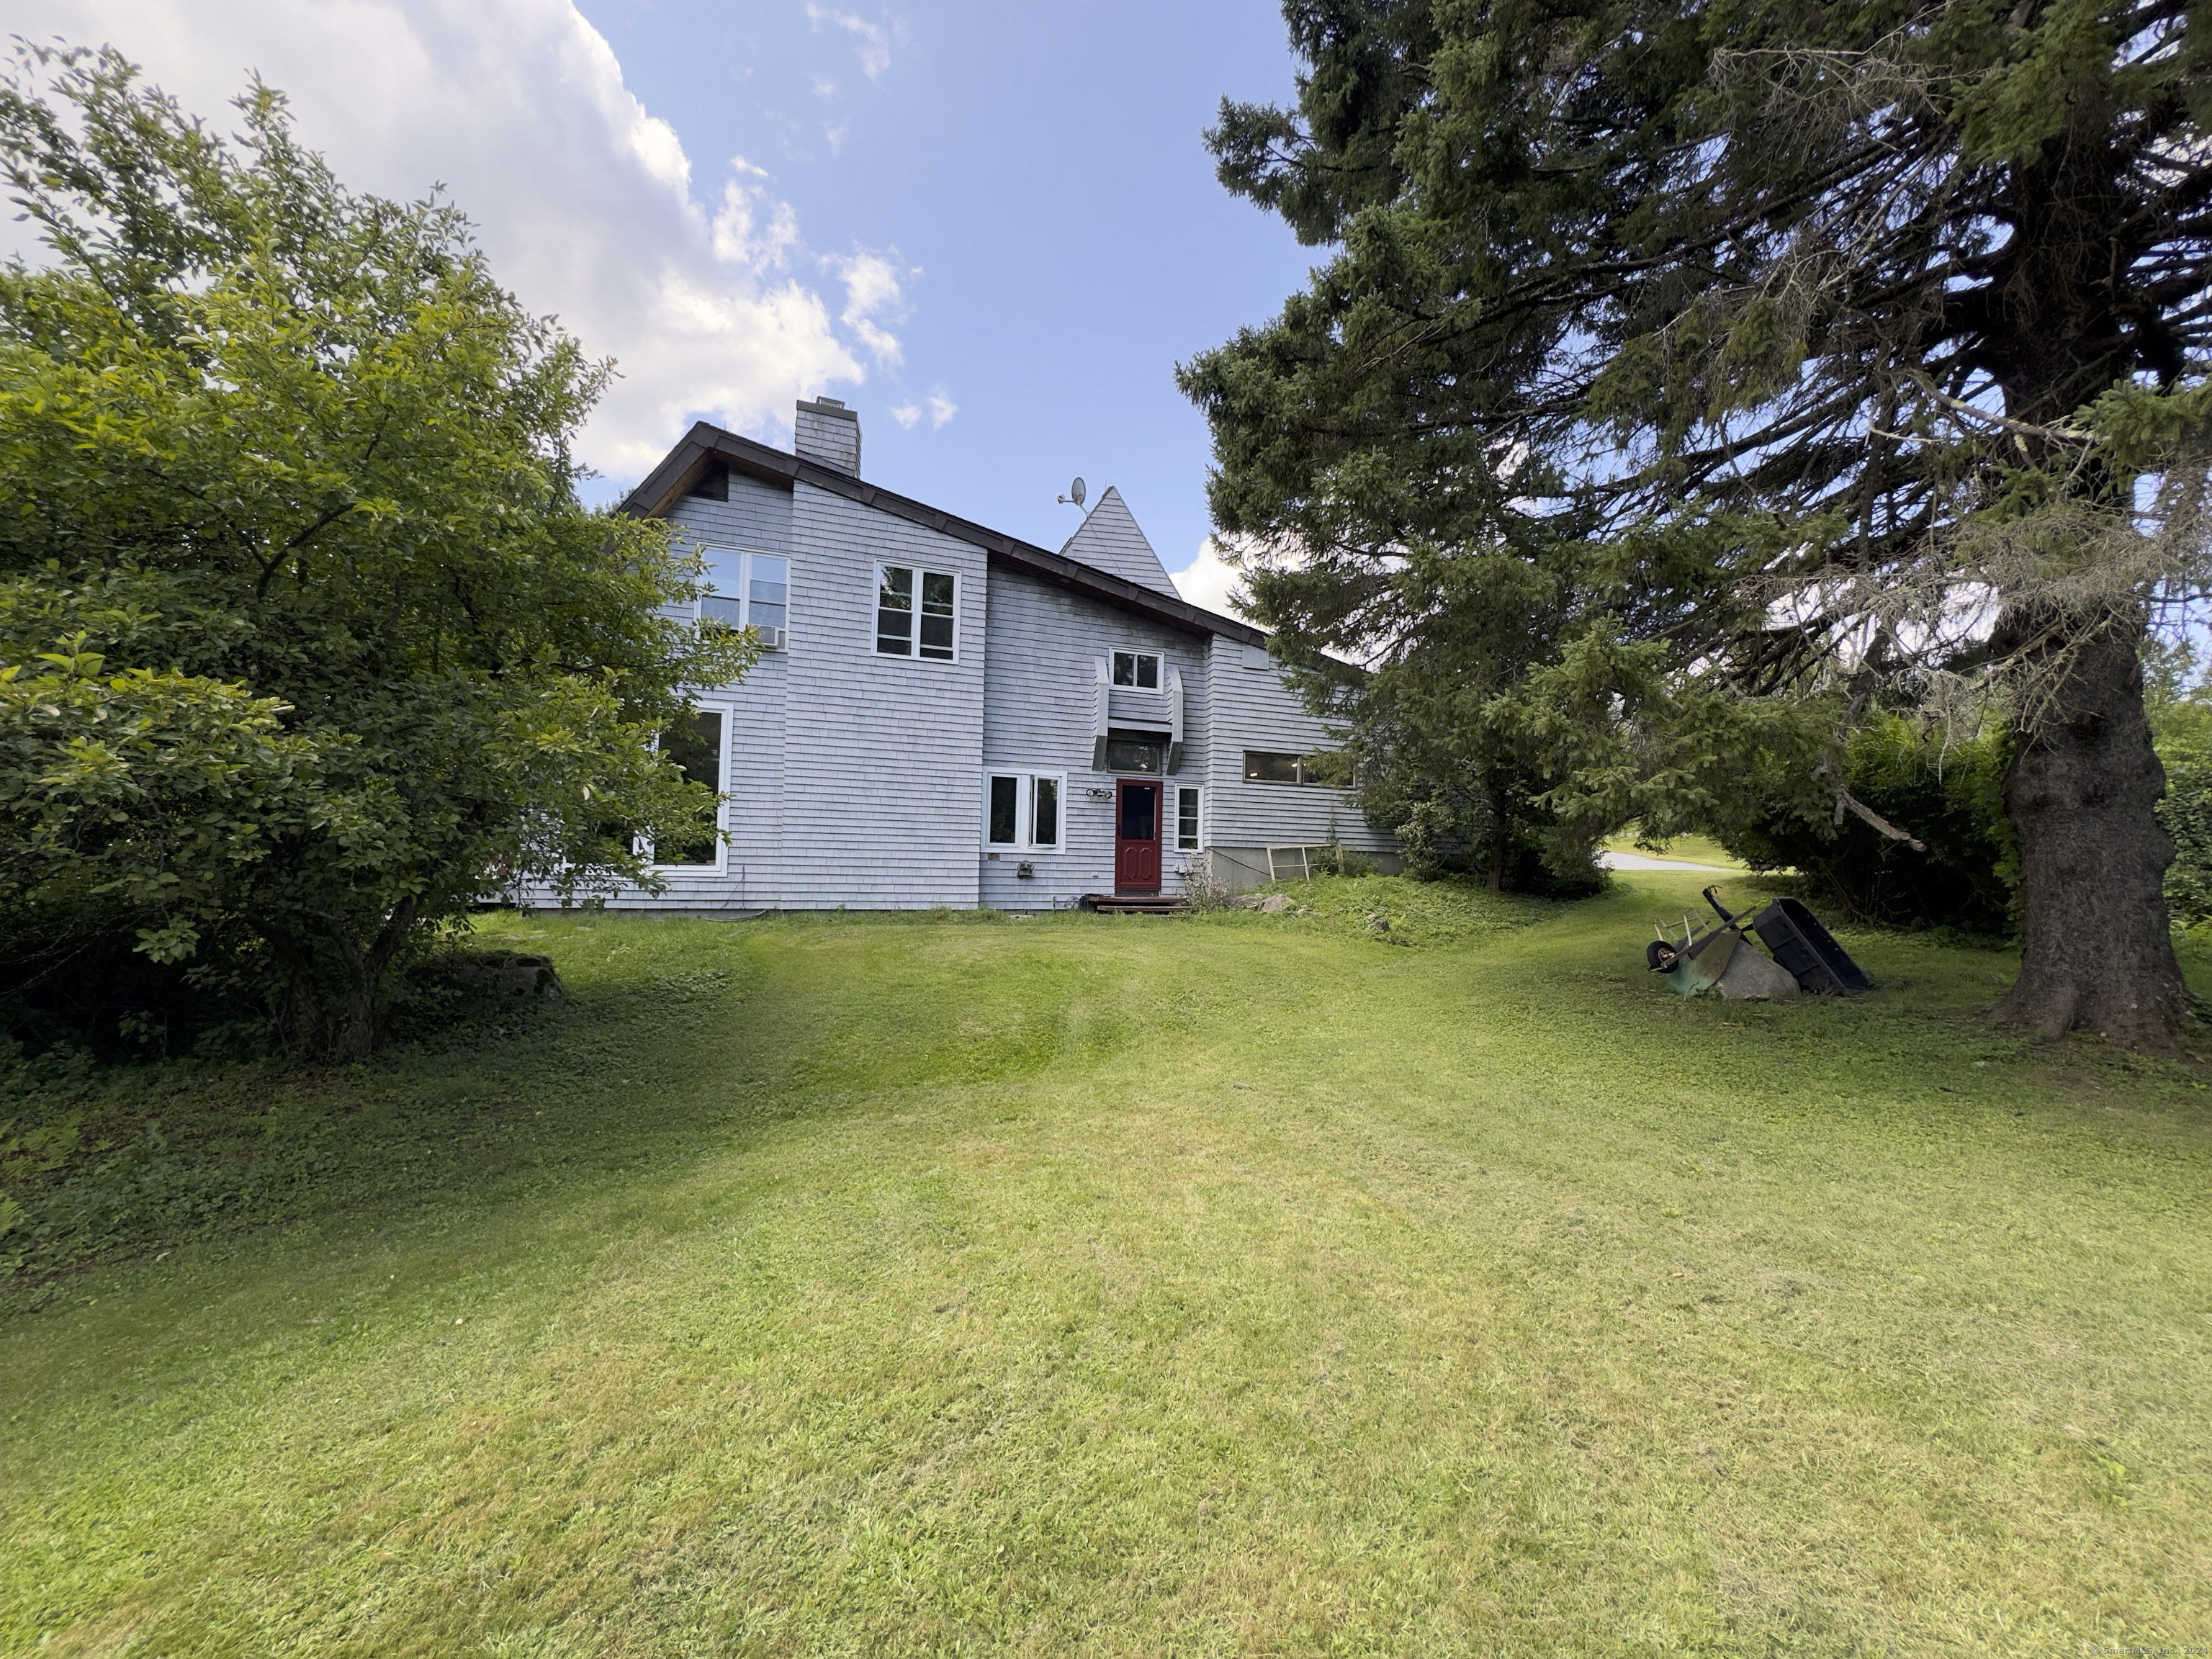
x,y
697,745
1022,809
917,612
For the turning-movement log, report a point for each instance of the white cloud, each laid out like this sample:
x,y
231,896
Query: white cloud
x,y
824,87
739,238
584,201
872,298
941,409
870,41
1209,581
906,415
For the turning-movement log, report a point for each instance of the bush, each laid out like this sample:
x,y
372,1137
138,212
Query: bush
x,y
1333,858
2186,812
1949,795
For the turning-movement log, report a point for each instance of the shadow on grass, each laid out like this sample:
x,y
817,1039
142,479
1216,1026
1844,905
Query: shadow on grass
x,y
675,1030
99,1164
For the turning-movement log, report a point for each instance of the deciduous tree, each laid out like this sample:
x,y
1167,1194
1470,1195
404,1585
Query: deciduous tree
x,y
305,640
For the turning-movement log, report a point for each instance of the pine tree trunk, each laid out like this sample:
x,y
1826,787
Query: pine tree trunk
x,y
2097,953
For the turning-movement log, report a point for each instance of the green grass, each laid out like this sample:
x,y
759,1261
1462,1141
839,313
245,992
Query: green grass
x,y
1684,849
1397,910
1235,1284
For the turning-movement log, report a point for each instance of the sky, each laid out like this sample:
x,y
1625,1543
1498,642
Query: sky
x,y
993,228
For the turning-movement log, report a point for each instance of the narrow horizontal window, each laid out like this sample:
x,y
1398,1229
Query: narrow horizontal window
x,y
1135,752
1326,768
1140,670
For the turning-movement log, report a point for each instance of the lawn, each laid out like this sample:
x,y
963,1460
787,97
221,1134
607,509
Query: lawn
x,y
1246,1283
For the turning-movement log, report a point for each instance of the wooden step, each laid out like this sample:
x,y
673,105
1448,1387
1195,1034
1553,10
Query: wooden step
x,y
1136,904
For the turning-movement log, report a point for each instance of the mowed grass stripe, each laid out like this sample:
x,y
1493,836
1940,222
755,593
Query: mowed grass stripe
x,y
1241,1286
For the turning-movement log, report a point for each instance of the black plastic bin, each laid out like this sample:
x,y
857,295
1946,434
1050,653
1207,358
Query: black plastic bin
x,y
1808,950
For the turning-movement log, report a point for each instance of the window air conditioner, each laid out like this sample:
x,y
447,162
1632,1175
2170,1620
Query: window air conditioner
x,y
772,639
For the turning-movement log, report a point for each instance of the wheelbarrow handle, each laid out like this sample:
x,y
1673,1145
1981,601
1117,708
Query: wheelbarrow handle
x,y
1725,916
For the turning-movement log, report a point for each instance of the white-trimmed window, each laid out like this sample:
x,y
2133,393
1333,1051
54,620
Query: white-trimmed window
x,y
744,589
701,746
1024,811
1189,819
1138,671
917,612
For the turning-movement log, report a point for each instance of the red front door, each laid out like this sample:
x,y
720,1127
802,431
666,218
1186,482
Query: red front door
x,y
1137,838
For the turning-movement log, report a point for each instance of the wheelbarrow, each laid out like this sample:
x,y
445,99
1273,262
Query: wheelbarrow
x,y
1822,967
1722,958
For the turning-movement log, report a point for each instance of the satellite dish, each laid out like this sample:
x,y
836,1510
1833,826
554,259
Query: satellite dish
x,y
1074,493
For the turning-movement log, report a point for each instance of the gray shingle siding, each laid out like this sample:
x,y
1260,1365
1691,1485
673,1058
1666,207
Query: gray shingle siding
x,y
1252,709
881,754
756,515
1039,712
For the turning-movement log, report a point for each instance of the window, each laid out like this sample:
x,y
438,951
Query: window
x,y
1325,771
696,745
745,589
1187,820
906,596
1022,809
1005,798
768,591
1136,751
1044,812
1140,669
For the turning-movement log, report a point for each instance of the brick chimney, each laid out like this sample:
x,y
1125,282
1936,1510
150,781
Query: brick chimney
x,y
828,432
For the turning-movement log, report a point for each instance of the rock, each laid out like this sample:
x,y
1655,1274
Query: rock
x,y
1379,922
1275,903
1752,976
524,979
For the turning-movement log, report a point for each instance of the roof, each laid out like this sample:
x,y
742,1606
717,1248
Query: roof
x,y
1108,540
704,445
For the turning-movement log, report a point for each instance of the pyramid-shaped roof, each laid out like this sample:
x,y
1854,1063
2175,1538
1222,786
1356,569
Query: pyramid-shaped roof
x,y
1110,540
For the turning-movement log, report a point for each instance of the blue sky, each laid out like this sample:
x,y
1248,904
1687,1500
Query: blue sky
x,y
992,228
1041,167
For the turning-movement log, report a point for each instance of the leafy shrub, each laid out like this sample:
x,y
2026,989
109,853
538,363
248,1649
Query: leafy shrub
x,y
1947,795
1424,841
1333,858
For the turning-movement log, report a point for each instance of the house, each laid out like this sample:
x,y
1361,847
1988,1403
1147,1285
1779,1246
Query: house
x,y
944,715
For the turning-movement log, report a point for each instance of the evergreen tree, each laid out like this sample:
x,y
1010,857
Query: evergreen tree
x,y
1807,358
